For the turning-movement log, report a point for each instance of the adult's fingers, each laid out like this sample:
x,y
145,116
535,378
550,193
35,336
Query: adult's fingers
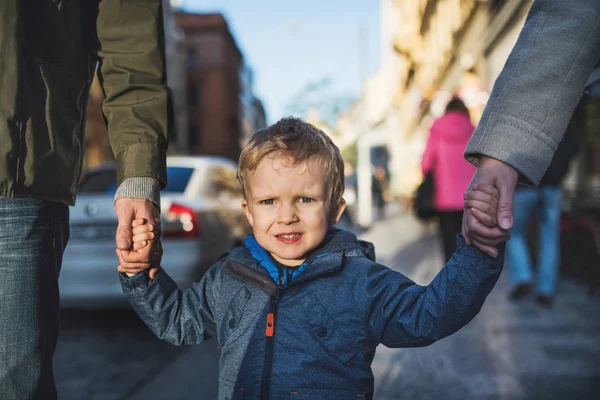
x,y
482,206
124,230
488,220
463,229
505,205
483,234
139,245
488,189
489,250
131,259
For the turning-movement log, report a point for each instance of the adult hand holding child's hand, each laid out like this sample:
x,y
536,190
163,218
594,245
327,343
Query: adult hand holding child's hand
x,y
135,258
504,178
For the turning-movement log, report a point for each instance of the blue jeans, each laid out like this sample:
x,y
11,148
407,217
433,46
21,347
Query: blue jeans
x,y
33,236
546,200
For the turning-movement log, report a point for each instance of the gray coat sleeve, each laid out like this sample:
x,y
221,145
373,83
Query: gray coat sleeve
x,y
533,98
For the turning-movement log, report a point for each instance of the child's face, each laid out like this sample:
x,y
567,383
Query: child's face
x,y
288,207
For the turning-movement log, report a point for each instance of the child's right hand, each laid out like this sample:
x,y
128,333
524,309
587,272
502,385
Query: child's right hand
x,y
142,233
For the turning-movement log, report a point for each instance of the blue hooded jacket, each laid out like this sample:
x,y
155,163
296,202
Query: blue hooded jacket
x,y
315,336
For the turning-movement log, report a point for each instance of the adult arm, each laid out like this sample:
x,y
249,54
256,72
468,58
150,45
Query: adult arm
x,y
535,94
133,79
531,104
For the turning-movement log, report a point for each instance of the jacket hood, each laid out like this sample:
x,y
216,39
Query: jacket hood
x,y
336,243
453,127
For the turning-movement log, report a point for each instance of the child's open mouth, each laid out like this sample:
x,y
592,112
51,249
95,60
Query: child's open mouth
x,y
289,238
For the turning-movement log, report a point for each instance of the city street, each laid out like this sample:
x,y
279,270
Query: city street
x,y
509,351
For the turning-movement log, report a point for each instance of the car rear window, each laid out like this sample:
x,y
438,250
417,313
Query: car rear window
x,y
105,181
177,179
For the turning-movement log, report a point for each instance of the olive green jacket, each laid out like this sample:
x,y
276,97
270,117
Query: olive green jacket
x,y
49,51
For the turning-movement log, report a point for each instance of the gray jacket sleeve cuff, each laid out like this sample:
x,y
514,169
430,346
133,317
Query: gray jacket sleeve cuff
x,y
514,142
140,188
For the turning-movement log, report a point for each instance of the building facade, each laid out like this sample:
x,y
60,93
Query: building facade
x,y
448,48
214,67
253,113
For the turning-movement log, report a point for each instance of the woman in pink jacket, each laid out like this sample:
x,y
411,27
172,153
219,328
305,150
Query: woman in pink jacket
x,y
443,155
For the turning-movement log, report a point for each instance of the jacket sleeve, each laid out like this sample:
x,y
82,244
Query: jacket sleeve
x,y
409,315
539,86
176,316
132,74
428,160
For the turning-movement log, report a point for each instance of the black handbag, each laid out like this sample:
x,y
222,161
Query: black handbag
x,y
423,204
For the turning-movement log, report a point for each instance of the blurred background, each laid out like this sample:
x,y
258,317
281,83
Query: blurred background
x,y
374,75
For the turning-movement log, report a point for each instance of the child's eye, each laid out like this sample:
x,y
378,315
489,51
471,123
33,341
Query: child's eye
x,y
305,200
267,201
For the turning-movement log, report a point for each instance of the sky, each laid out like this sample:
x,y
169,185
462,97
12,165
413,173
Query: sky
x,y
292,43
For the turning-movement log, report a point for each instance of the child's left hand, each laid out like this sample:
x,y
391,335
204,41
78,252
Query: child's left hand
x,y
482,200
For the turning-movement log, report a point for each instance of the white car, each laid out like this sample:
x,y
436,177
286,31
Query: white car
x,y
202,219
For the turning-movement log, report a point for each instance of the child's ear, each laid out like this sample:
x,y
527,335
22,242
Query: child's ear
x,y
247,212
338,213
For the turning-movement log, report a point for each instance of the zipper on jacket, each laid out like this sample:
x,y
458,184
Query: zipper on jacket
x,y
265,391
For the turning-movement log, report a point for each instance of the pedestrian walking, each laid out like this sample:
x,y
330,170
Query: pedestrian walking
x,y
49,52
544,204
443,157
300,309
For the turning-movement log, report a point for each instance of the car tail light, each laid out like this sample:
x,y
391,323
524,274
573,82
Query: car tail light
x,y
181,222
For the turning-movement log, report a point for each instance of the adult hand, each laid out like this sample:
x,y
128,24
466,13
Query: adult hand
x,y
134,260
502,176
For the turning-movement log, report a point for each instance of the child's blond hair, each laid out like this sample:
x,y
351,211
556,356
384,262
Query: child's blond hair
x,y
302,142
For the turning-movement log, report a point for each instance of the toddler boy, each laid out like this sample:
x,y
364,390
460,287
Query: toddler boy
x,y
300,309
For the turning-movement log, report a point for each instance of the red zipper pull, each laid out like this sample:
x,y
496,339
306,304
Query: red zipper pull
x,y
270,325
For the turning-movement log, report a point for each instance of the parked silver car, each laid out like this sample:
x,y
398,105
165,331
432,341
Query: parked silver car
x,y
201,220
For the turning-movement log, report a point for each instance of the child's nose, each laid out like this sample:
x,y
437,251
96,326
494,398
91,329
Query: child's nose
x,y
287,214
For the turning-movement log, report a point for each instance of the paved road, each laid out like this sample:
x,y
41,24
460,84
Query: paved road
x,y
510,351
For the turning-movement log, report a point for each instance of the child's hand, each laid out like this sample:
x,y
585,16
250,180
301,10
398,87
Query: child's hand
x,y
482,200
143,232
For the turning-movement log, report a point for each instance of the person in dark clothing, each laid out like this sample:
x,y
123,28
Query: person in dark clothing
x,y
50,52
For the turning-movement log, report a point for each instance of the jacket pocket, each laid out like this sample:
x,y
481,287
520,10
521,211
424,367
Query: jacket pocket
x,y
330,331
328,394
228,328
